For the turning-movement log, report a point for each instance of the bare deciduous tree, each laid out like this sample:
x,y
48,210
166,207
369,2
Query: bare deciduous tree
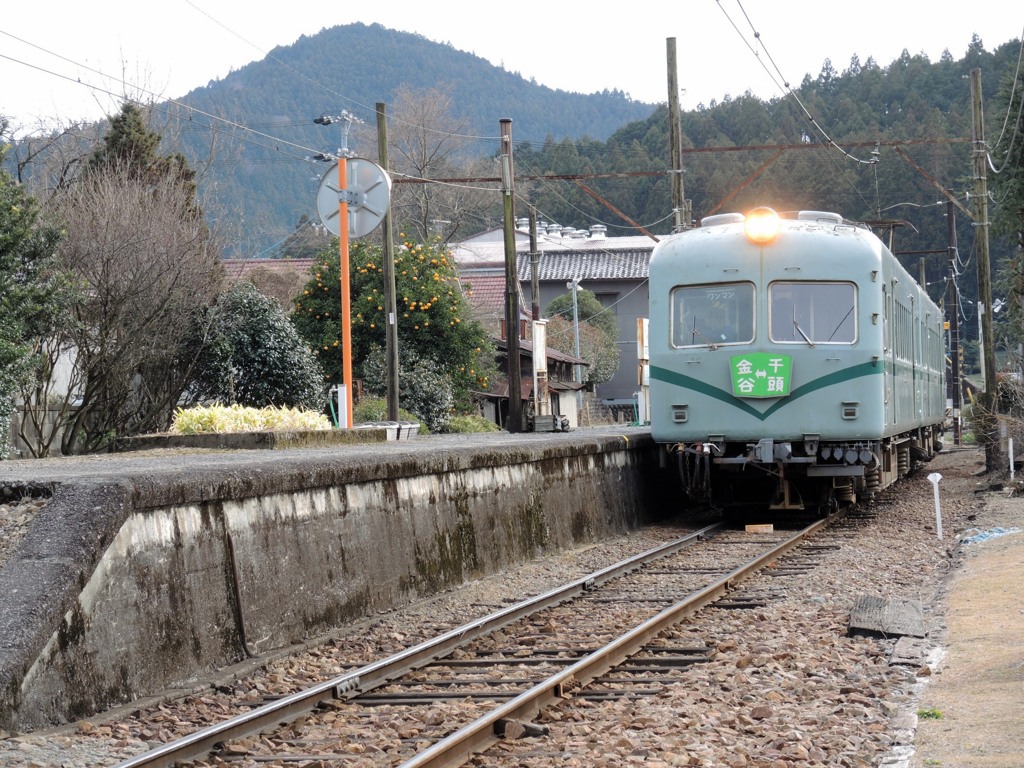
x,y
426,142
146,266
50,157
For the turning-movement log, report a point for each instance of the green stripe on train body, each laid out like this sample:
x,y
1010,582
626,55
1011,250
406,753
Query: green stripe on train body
x,y
812,407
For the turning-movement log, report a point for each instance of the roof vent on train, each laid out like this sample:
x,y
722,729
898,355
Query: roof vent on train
x,y
822,217
721,218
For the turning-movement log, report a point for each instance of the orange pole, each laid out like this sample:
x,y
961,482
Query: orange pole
x,y
346,310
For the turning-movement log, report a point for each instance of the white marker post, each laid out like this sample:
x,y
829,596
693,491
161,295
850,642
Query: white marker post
x,y
343,407
934,478
1010,443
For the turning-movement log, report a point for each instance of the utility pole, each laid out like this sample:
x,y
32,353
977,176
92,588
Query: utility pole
x,y
680,205
345,403
989,436
515,404
954,324
390,300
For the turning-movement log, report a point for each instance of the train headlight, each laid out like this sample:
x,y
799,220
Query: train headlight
x,y
762,225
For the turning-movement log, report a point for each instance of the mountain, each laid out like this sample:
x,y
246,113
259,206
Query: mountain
x,y
257,123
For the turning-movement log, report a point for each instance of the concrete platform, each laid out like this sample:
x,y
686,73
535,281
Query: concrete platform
x,y
148,569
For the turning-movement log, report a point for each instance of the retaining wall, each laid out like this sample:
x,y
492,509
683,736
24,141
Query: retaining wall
x,y
150,573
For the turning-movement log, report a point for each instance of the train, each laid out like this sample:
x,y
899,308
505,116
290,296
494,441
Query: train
x,y
793,361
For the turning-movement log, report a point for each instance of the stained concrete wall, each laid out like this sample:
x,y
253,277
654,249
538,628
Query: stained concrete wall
x,y
157,571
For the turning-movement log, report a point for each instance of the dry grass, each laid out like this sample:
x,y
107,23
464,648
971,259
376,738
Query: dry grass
x,y
979,690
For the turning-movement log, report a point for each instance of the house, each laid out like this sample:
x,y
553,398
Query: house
x,y
614,269
281,279
561,386
485,290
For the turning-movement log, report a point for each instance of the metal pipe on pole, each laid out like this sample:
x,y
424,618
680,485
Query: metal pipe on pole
x,y
534,266
345,390
346,297
577,372
954,325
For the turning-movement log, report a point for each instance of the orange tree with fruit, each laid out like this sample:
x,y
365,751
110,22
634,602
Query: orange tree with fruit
x,y
434,319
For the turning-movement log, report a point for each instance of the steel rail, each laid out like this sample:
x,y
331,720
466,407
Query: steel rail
x,y
457,748
381,672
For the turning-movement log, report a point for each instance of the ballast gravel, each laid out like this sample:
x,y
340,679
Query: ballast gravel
x,y
787,685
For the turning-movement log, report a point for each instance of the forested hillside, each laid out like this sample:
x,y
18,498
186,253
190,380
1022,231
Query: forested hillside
x,y
135,215
262,144
870,142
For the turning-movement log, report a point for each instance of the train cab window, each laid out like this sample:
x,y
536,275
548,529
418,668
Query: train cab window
x,y
713,315
812,313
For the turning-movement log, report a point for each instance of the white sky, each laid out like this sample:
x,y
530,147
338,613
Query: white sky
x,y
50,52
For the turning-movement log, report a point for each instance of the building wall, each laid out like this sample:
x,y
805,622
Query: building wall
x,y
631,297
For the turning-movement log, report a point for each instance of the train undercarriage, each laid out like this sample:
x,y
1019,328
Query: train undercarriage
x,y
810,474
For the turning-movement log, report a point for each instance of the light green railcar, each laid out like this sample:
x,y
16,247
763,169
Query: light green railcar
x,y
793,360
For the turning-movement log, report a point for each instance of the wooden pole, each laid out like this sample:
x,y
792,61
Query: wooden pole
x,y
680,206
515,404
390,297
980,204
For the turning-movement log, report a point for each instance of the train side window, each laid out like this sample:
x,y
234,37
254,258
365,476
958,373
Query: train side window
x,y
812,313
712,315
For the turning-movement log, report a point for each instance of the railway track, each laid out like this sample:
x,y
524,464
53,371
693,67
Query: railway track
x,y
444,700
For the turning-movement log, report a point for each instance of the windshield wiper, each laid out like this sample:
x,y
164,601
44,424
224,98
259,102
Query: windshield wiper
x,y
695,333
840,324
801,332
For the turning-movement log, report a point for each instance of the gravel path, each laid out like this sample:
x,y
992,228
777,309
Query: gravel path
x,y
787,687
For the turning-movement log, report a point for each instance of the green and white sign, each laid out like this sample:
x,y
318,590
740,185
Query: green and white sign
x,y
761,374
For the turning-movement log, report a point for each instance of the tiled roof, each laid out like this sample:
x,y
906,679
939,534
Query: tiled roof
x,y
594,265
526,349
485,291
566,258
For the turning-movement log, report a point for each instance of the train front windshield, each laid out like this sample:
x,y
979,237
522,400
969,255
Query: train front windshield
x,y
712,315
798,313
812,313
